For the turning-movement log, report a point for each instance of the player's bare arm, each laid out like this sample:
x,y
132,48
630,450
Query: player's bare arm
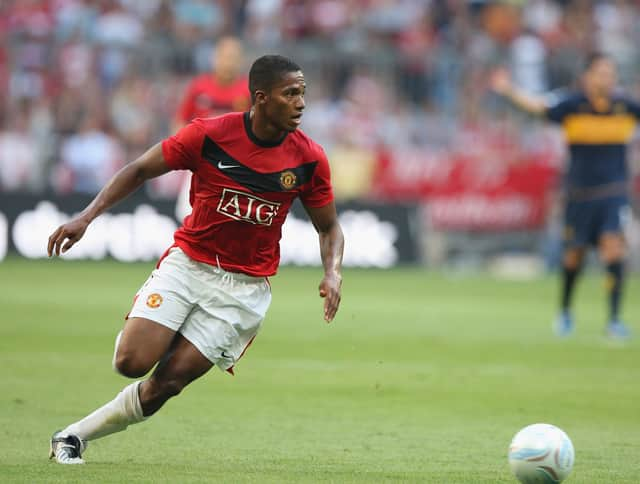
x,y
325,220
149,165
502,84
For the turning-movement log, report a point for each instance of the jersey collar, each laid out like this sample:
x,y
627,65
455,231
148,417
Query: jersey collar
x,y
255,139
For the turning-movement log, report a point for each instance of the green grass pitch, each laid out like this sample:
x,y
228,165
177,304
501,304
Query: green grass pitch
x,y
421,378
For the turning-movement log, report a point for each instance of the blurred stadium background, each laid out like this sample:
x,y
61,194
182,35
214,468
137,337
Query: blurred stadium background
x,y
438,169
425,376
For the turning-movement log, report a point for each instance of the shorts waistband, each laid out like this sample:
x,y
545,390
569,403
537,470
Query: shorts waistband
x,y
583,194
218,269
236,276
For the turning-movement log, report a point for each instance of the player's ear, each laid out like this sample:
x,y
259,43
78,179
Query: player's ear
x,y
261,97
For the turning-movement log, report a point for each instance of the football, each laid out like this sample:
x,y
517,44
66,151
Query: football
x,y
541,453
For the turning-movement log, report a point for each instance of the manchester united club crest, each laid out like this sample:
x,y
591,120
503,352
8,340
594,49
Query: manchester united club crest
x,y
154,300
288,179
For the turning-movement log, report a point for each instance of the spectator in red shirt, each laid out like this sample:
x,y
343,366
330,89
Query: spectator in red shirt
x,y
221,91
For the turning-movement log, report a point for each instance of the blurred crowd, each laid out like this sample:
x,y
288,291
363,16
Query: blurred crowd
x,y
89,84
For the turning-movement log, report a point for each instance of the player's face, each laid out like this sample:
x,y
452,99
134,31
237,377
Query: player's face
x,y
285,102
227,58
601,77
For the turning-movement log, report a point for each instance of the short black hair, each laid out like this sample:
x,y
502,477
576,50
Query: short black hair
x,y
267,71
594,57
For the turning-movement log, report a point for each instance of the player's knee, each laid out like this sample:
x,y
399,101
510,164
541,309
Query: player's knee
x,y
612,256
128,365
572,259
612,250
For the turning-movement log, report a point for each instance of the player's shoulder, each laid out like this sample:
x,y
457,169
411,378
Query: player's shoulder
x,y
623,97
199,83
216,127
223,121
202,80
565,96
241,82
306,144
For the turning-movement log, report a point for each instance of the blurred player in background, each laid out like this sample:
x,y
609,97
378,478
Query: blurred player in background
x,y
598,124
205,301
223,90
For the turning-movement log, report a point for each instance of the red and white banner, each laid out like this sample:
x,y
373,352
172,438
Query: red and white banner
x,y
488,189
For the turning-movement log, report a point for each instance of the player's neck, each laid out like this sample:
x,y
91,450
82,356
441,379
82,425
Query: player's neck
x,y
223,80
599,100
264,130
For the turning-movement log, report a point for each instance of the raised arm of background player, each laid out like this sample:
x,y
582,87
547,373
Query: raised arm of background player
x,y
501,83
152,164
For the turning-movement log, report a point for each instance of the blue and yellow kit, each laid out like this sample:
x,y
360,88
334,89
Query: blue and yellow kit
x,y
597,176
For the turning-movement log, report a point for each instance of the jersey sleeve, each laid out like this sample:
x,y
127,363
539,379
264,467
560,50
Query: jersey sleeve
x,y
319,192
559,107
182,150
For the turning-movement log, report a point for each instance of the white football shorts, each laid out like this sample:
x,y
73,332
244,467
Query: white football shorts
x,y
219,312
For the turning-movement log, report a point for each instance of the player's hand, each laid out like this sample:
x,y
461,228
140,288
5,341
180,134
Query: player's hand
x,y
66,236
500,81
330,290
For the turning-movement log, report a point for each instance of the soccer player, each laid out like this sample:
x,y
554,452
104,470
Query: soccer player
x,y
218,92
598,124
207,297
221,91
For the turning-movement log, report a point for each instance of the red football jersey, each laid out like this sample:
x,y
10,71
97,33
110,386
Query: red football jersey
x,y
206,97
242,189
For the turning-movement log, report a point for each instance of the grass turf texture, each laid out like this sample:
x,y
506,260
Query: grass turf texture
x,y
421,378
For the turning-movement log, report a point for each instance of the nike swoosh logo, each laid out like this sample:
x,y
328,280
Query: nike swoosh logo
x,y
225,355
255,181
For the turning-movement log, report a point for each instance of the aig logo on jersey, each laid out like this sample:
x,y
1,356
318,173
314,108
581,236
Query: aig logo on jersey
x,y
246,207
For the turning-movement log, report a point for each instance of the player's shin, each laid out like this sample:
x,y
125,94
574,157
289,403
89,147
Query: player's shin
x,y
569,277
615,276
112,417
